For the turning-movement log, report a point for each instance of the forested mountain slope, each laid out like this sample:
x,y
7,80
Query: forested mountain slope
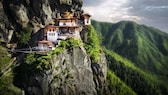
x,y
146,47
143,83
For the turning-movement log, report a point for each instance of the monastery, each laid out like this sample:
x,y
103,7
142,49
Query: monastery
x,y
62,28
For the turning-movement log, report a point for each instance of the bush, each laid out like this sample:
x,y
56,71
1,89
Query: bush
x,y
7,87
70,43
5,58
37,62
25,35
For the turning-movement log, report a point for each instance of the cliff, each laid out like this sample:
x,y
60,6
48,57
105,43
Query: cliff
x,y
69,73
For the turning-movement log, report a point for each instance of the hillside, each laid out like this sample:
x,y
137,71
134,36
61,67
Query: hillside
x,y
146,47
141,82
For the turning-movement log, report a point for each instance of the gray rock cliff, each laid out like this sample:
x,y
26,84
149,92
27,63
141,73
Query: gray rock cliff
x,y
71,73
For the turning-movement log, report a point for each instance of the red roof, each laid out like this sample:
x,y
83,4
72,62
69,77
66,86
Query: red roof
x,y
68,26
50,26
72,18
86,14
49,43
44,41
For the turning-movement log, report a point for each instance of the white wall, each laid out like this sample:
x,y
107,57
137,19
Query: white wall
x,y
87,21
66,24
52,36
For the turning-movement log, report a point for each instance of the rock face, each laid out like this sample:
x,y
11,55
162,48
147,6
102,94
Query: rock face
x,y
99,70
4,24
71,73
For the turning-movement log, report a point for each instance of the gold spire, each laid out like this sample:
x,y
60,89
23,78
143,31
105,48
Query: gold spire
x,y
52,22
67,15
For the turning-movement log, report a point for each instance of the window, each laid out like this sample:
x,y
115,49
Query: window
x,y
87,20
64,23
52,34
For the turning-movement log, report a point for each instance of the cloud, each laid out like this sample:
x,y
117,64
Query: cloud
x,y
150,12
155,7
155,12
88,3
89,10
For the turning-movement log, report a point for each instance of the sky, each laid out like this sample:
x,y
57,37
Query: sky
x,y
149,12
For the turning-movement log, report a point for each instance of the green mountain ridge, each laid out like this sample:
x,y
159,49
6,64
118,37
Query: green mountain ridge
x,y
147,47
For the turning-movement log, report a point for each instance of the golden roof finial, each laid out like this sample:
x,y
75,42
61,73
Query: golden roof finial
x,y
52,22
67,14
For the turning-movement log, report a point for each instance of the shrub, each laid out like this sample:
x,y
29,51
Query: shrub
x,y
5,58
7,87
70,43
25,35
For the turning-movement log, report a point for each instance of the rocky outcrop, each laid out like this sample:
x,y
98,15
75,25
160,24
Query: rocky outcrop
x,y
71,73
6,30
99,70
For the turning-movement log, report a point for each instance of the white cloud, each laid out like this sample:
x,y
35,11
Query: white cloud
x,y
110,10
133,18
89,10
155,7
147,12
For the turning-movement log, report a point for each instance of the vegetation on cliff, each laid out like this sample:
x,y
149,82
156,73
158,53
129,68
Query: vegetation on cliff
x,y
6,85
6,74
92,44
25,35
42,62
5,58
